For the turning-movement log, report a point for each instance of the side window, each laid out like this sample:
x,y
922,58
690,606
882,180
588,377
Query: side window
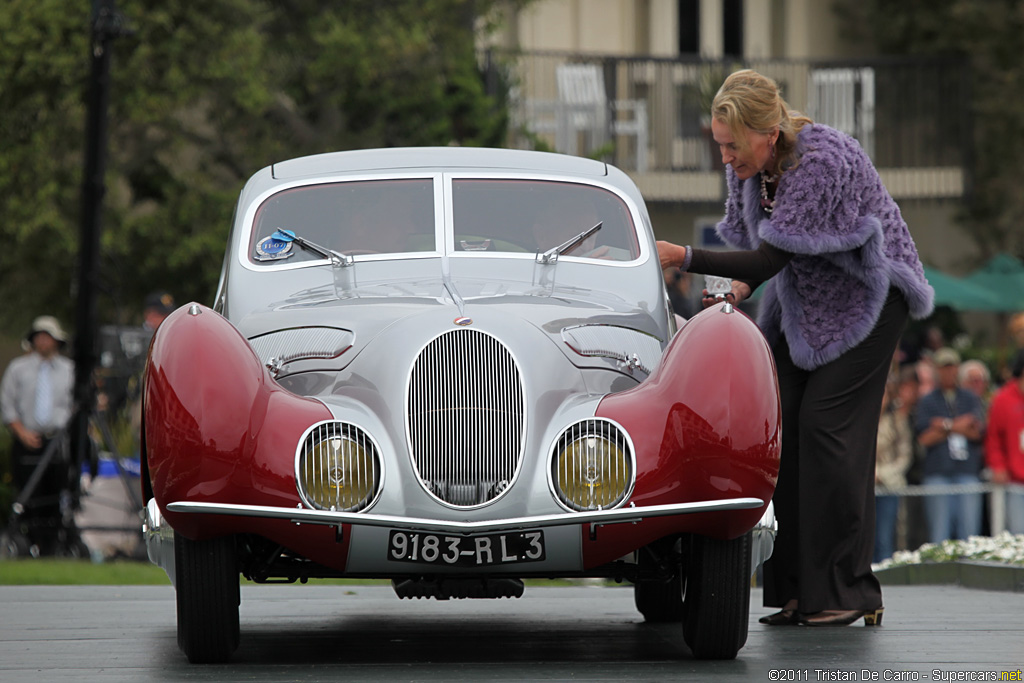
x,y
528,216
362,217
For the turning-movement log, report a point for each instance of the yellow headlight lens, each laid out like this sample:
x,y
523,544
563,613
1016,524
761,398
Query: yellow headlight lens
x,y
592,468
338,469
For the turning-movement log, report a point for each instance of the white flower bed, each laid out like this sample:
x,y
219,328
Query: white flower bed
x,y
1004,548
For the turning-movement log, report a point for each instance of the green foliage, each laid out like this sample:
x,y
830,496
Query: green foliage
x,y
202,96
990,34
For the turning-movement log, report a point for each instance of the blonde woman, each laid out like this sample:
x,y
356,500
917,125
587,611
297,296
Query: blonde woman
x,y
808,216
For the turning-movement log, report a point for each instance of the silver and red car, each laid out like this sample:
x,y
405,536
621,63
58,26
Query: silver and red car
x,y
456,369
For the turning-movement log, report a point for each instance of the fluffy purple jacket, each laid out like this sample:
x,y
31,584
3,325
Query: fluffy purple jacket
x,y
850,244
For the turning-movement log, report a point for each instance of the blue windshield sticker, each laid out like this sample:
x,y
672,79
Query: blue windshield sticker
x,y
273,248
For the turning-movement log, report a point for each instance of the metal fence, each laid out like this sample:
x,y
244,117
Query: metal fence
x,y
649,115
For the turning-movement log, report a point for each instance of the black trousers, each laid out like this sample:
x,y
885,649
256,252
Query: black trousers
x,y
825,498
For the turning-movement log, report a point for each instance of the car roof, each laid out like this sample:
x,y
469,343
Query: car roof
x,y
475,158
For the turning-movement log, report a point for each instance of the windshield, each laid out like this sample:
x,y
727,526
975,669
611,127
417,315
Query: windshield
x,y
361,217
397,216
536,215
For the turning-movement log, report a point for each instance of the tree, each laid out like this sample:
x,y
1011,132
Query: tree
x,y
204,95
990,34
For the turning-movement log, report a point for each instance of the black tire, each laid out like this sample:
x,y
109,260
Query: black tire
x,y
206,583
716,606
659,599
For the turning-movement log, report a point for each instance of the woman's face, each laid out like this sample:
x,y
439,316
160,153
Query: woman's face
x,y
746,160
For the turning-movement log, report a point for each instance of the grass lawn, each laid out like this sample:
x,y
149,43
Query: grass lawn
x,y
69,572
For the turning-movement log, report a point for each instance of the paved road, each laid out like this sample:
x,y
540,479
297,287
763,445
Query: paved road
x,y
592,633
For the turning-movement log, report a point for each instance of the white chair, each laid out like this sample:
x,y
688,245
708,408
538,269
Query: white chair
x,y
845,99
583,107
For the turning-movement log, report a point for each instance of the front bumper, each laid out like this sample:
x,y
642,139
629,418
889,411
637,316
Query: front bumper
x,y
160,537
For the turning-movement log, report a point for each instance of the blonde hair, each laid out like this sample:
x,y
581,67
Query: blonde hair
x,y
748,100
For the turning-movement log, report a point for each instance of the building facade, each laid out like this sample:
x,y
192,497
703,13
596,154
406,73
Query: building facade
x,y
630,81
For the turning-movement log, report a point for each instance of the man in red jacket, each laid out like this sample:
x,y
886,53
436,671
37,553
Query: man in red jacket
x,y
1004,444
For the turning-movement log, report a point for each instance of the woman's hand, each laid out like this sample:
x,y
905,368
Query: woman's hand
x,y
671,255
740,291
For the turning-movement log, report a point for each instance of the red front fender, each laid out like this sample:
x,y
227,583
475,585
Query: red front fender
x,y
207,400
705,425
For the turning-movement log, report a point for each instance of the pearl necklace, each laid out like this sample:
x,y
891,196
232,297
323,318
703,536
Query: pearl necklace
x,y
767,203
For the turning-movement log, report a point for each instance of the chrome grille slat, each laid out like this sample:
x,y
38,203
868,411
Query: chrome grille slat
x,y
466,417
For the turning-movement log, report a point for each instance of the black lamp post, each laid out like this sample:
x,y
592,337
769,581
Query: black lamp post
x,y
107,25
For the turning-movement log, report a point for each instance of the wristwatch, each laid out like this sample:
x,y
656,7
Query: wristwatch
x,y
947,424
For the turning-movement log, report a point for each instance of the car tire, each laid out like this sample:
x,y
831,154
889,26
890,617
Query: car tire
x,y
659,599
208,595
716,606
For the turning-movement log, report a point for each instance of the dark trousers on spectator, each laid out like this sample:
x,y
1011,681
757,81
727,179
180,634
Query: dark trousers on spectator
x,y
825,498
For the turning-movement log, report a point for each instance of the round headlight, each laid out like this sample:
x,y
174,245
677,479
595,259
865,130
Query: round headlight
x,y
338,468
592,466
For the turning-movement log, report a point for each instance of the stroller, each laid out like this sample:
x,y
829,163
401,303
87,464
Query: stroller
x,y
41,520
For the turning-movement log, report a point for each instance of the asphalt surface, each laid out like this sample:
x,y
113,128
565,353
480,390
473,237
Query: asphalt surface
x,y
586,633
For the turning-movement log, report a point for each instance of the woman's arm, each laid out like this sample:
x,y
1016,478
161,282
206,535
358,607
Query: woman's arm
x,y
749,265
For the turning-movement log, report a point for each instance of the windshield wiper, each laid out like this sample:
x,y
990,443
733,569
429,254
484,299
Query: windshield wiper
x,y
552,254
337,259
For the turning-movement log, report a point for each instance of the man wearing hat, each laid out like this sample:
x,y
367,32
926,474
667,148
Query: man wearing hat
x,y
36,404
950,427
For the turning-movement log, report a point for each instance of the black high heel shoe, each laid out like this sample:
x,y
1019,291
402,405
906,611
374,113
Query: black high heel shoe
x,y
786,617
872,617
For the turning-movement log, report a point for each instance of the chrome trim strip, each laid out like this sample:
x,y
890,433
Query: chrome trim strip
x,y
618,516
626,345
302,343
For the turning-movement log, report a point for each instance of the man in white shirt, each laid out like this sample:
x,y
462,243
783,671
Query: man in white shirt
x,y
36,404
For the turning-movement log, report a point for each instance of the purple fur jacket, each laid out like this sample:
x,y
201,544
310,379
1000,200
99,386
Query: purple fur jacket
x,y
850,243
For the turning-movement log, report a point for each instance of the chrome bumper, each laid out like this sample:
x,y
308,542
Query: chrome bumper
x,y
624,515
763,540
160,537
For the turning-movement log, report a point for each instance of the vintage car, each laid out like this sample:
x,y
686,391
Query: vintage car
x,y
456,369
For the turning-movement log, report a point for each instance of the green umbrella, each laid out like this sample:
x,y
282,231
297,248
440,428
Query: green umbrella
x,y
1003,274
961,295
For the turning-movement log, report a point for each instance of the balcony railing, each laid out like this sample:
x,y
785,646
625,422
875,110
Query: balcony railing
x,y
649,116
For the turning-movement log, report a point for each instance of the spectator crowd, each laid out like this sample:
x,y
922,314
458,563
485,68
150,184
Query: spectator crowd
x,y
948,434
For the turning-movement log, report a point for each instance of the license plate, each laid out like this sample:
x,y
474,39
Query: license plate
x,y
466,551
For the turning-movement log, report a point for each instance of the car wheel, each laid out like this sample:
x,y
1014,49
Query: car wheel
x,y
716,606
206,582
658,592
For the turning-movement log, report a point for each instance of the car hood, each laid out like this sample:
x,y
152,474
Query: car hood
x,y
370,308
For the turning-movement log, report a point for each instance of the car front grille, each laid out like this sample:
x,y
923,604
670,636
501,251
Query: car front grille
x,y
466,417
